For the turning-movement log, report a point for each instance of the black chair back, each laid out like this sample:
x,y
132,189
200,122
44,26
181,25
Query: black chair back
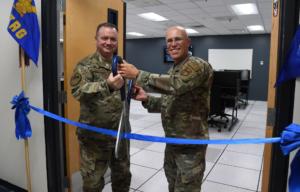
x,y
215,100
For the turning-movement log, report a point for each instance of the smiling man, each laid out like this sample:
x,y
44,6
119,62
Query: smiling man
x,y
184,108
94,86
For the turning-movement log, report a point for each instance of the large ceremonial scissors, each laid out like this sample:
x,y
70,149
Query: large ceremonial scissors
x,y
124,120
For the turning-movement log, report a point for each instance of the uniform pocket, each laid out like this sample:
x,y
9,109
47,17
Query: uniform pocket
x,y
190,175
88,159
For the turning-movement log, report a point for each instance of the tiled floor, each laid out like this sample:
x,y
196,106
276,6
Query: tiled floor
x,y
229,168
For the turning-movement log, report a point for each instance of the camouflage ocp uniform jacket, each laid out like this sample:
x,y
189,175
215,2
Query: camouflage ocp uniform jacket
x,y
185,103
99,106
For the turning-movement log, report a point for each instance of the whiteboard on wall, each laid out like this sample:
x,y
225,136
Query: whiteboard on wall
x,y
231,59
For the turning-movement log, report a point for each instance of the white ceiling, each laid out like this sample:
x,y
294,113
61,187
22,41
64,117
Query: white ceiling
x,y
215,15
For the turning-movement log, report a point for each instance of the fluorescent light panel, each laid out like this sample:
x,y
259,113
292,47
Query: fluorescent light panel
x,y
135,34
255,28
244,9
152,16
191,31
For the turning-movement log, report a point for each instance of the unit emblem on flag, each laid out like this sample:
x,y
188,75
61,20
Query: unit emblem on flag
x,y
24,6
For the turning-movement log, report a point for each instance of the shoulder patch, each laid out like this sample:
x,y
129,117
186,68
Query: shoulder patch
x,y
194,66
75,79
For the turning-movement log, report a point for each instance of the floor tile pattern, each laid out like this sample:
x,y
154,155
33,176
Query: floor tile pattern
x,y
229,168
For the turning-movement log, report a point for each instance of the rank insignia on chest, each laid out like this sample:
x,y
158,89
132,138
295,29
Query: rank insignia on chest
x,y
186,71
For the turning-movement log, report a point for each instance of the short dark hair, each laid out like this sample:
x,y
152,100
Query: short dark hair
x,y
106,25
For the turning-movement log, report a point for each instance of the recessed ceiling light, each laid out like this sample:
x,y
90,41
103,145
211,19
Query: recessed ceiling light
x,y
152,16
135,34
255,28
244,9
191,31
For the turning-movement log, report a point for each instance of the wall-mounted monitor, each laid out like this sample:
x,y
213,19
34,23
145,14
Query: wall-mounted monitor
x,y
168,59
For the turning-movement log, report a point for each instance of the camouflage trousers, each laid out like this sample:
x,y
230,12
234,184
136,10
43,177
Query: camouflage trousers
x,y
97,156
184,167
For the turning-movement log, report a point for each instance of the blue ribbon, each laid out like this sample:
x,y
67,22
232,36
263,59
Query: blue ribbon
x,y
290,140
158,139
21,104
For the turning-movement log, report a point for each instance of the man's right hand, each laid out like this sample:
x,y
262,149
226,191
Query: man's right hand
x,y
138,93
115,82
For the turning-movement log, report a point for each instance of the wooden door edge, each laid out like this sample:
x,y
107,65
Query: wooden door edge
x,y
271,97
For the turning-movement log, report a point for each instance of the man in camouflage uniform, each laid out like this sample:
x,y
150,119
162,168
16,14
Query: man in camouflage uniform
x,y
184,108
94,86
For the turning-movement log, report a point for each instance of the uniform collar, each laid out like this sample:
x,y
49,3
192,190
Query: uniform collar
x,y
102,62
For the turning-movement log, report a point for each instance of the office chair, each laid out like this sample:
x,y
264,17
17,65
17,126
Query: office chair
x,y
217,107
245,82
229,81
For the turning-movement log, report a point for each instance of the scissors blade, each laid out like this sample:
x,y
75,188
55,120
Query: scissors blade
x,y
127,125
119,135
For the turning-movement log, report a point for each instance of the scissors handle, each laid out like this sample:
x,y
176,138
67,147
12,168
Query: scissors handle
x,y
118,60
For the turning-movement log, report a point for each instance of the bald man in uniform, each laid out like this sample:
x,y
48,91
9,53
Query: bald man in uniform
x,y
184,108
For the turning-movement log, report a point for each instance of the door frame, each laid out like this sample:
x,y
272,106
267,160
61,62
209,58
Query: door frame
x,y
51,86
284,95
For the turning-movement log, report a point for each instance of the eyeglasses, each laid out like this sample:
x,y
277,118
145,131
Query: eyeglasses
x,y
176,40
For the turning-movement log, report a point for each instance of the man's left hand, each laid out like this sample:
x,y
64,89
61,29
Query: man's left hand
x,y
127,70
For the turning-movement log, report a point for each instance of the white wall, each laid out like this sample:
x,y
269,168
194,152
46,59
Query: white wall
x,y
12,153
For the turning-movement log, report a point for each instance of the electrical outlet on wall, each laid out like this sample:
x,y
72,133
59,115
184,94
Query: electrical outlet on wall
x,y
261,62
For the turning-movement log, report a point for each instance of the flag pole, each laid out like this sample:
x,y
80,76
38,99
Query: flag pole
x,y
26,140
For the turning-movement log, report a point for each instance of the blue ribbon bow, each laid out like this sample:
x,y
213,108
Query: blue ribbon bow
x,y
21,104
290,140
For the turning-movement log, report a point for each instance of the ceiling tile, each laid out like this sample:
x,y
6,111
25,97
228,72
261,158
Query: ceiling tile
x,y
233,2
130,6
151,25
266,11
235,26
187,5
173,1
192,25
232,24
159,8
222,31
199,16
249,17
212,24
145,3
222,14
252,22
168,13
206,31
240,31
209,3
267,16
189,14
267,21
167,23
137,10
191,11
265,5
184,22
257,32
217,9
179,17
